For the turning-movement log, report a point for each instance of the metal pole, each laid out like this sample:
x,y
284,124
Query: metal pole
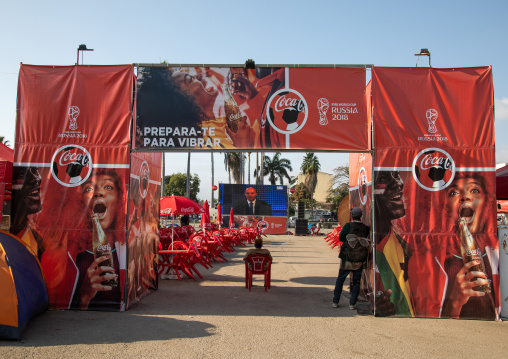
x,y
187,193
213,195
163,173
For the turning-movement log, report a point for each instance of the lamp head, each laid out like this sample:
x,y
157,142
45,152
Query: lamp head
x,y
250,64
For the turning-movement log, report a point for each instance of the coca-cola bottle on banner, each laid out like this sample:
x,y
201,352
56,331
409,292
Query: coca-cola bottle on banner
x,y
101,247
471,252
233,114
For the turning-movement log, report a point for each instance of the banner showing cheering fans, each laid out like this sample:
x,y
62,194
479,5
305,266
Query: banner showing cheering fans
x,y
71,177
216,108
434,193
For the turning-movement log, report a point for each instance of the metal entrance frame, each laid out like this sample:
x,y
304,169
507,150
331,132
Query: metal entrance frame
x,y
251,65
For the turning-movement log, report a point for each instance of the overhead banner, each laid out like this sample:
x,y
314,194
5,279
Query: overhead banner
x,y
434,193
218,108
70,179
143,224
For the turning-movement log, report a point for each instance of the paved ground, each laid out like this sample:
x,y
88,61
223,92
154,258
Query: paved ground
x,y
219,317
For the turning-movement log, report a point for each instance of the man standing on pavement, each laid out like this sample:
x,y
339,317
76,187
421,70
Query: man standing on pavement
x,y
353,255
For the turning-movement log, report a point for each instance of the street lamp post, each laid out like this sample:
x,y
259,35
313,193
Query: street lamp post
x,y
82,48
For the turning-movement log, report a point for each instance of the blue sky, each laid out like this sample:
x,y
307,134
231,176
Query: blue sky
x,y
384,33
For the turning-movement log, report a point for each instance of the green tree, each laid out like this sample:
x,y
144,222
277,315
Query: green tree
x,y
232,162
310,168
4,141
177,185
277,168
340,187
300,193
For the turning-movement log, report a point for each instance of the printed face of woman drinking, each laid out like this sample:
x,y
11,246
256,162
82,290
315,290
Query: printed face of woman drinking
x,y
101,197
466,198
196,86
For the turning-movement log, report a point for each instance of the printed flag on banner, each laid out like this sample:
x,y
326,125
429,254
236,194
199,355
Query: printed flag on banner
x,y
71,175
233,108
434,192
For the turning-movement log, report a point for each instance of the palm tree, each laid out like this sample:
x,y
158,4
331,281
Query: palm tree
x,y
277,168
310,168
4,141
232,162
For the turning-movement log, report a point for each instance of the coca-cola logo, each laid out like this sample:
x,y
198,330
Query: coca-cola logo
x,y
287,111
71,165
104,247
144,179
234,117
362,185
285,102
473,252
433,169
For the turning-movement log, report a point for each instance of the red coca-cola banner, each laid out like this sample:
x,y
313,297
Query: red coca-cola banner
x,y
434,166
71,162
360,184
213,108
143,224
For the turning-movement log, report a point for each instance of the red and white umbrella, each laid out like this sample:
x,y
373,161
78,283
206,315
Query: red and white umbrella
x,y
205,216
231,218
172,205
219,214
179,205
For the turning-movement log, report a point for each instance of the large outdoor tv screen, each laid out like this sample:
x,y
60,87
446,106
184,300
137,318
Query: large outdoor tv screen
x,y
270,200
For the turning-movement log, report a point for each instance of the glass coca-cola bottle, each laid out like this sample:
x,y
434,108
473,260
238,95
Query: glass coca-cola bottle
x,y
471,252
101,247
233,114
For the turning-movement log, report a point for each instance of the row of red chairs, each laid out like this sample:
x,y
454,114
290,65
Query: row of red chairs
x,y
180,252
332,238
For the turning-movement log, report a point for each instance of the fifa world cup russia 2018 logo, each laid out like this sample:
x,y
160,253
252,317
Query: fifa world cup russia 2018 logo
x,y
73,116
432,115
323,105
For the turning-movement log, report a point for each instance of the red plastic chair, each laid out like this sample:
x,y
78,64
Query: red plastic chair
x,y
257,263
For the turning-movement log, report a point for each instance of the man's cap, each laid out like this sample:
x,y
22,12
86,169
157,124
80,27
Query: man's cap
x,y
356,212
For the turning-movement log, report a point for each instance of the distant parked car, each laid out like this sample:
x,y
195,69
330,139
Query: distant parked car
x,y
292,221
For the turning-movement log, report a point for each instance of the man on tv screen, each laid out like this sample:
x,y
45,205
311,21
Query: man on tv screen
x,y
251,205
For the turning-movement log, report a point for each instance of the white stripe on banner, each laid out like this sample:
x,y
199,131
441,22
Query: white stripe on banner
x,y
110,166
357,187
30,164
457,169
475,169
97,165
286,80
409,169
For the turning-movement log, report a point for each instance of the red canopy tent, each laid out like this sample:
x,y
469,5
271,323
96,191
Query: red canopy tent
x,y
502,183
6,153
